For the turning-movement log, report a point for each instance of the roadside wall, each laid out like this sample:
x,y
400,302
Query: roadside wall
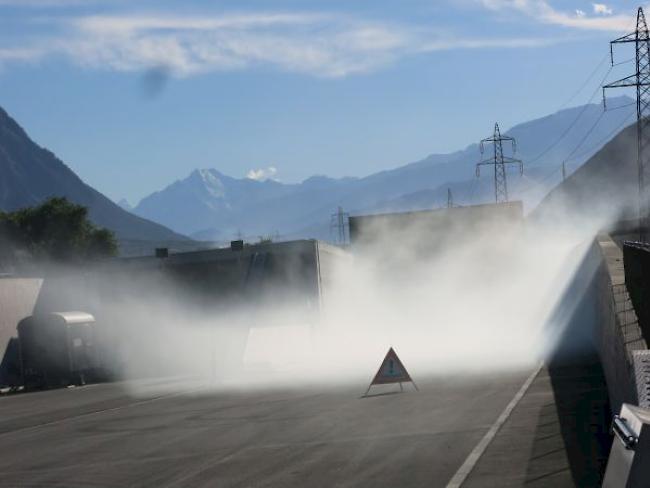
x,y
617,333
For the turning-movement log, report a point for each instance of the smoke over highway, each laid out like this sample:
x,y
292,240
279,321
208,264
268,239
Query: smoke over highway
x,y
475,291
482,298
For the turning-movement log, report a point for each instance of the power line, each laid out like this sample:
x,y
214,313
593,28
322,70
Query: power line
x,y
640,37
585,83
623,62
602,141
591,148
620,107
568,158
534,183
589,78
573,123
584,138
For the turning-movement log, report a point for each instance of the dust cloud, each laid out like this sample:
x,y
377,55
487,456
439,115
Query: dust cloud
x,y
483,300
472,293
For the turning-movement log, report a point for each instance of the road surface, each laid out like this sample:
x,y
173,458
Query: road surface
x,y
190,436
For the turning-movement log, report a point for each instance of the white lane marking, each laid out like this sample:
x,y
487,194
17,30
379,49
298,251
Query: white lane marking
x,y
463,472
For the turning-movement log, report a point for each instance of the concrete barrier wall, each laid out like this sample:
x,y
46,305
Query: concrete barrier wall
x,y
616,332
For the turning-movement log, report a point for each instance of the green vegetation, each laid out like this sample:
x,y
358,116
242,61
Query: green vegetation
x,y
58,230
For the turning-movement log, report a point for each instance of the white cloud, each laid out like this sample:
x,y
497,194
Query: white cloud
x,y
43,3
21,54
602,9
320,45
544,12
317,44
487,43
262,174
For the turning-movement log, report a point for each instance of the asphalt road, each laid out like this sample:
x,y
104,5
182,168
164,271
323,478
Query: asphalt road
x,y
186,435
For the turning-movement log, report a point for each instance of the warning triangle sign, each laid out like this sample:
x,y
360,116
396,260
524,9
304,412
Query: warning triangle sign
x,y
391,371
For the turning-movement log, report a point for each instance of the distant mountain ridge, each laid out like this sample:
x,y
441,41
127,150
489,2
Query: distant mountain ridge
x,y
31,174
208,204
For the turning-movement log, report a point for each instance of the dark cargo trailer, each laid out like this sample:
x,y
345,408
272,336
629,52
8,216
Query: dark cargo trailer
x,y
57,349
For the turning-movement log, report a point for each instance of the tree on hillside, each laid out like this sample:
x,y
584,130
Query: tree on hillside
x,y
58,230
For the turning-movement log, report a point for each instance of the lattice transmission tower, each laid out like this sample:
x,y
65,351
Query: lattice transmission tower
x,y
340,223
450,198
499,161
641,81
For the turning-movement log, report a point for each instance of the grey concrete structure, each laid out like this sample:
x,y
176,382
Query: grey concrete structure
x,y
267,272
136,301
428,230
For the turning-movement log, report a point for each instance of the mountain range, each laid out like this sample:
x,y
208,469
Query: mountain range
x,y
209,205
31,174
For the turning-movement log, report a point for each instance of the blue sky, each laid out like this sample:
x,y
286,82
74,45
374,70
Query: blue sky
x,y
133,95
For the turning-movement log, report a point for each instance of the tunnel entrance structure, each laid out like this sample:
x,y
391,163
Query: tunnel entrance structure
x,y
157,314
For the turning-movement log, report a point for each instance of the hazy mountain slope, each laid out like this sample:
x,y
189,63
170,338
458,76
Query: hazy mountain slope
x,y
256,208
604,190
30,174
534,138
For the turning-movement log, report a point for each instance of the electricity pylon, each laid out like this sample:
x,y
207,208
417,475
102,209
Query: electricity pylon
x,y
641,81
450,198
499,161
339,222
